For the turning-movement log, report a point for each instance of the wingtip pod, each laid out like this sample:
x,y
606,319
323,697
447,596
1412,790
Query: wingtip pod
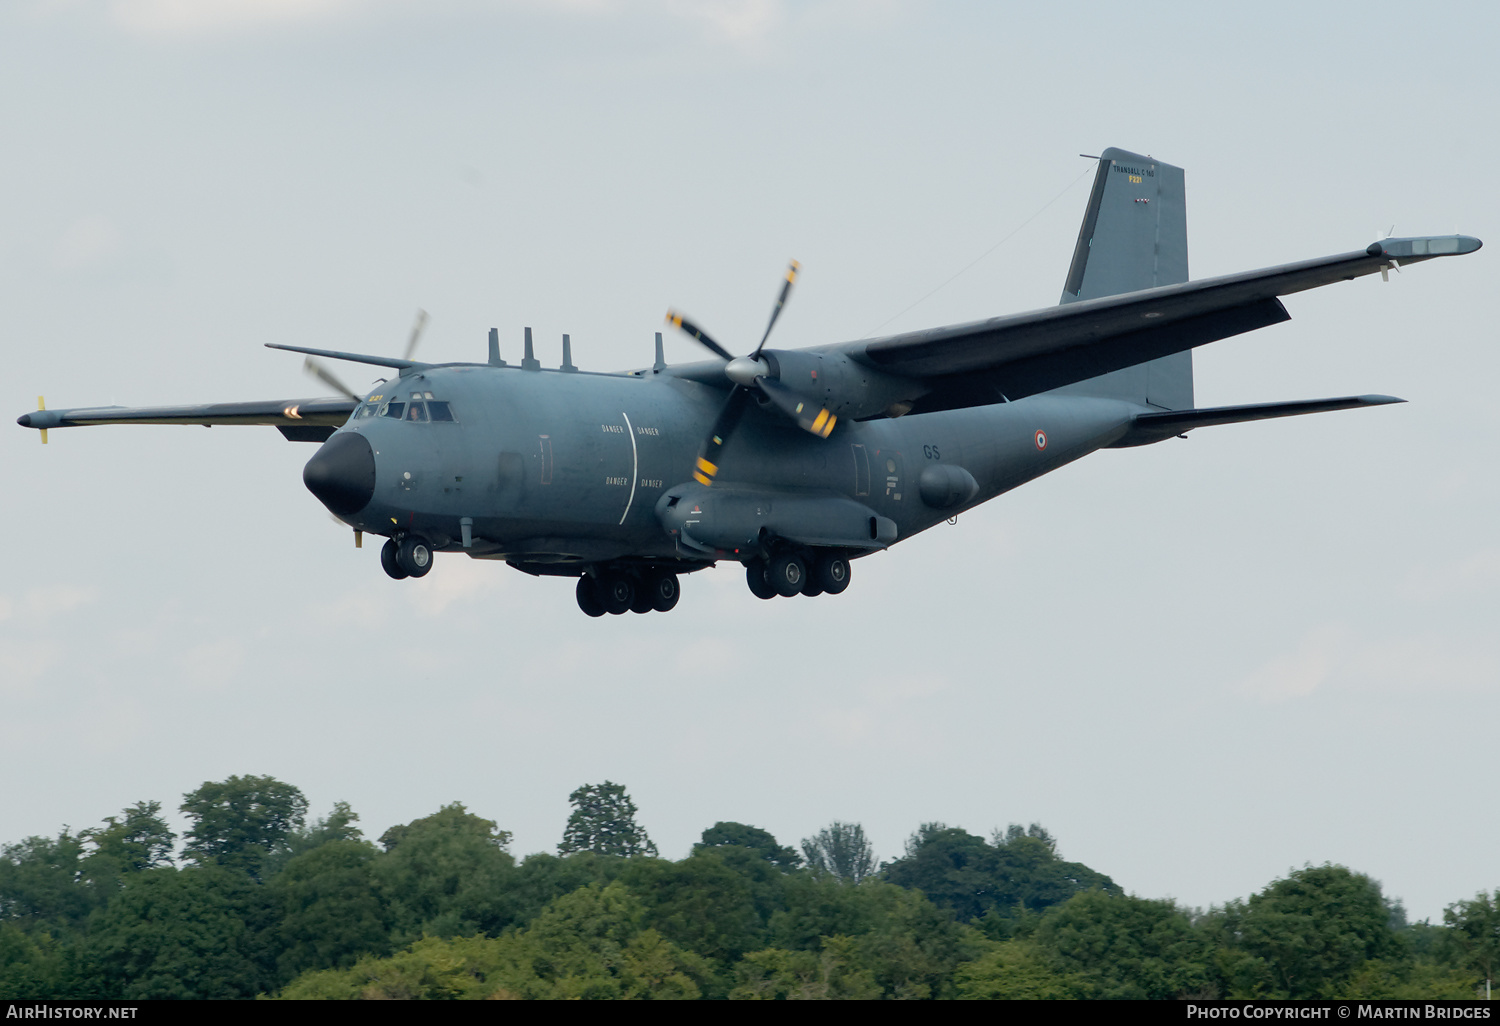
x,y
1424,246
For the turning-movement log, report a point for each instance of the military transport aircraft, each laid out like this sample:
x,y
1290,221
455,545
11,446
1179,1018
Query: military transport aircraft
x,y
791,462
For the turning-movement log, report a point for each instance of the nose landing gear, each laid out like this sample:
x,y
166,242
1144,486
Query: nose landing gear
x,y
410,557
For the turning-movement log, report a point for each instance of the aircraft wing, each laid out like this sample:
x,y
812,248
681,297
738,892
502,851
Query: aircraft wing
x,y
1023,354
300,420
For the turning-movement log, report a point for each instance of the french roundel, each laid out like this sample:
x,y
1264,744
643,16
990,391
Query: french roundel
x,y
1041,440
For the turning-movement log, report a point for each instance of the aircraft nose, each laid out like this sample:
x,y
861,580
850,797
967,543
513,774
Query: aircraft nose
x,y
342,473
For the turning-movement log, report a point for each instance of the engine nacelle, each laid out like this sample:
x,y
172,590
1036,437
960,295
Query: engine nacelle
x,y
738,523
850,390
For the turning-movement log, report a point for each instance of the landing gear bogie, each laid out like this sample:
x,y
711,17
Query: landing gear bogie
x,y
786,574
627,591
792,572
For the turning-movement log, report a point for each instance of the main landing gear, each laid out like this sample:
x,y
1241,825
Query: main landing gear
x,y
620,591
410,557
798,573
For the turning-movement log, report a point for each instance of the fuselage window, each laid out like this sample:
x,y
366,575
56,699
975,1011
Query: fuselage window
x,y
417,411
440,411
393,410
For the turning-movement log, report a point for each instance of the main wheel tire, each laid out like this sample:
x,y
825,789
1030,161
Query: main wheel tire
x,y
786,574
642,601
832,573
810,587
663,590
390,561
755,577
616,593
588,596
415,556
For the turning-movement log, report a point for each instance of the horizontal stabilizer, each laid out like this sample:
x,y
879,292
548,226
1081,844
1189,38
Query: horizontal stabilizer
x,y
300,420
1154,427
334,354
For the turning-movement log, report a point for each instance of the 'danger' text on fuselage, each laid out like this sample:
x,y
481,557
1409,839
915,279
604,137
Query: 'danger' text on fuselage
x,y
791,462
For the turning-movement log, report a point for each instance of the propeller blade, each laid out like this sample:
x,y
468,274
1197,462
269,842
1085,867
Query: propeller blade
x,y
786,290
729,416
810,415
416,332
328,378
676,320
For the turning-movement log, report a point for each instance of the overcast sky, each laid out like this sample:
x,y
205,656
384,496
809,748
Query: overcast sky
x,y
1199,664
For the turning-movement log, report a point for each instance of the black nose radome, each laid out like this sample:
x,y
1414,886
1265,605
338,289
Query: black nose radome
x,y
342,473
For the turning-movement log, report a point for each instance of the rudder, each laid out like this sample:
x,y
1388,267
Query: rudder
x,y
1133,237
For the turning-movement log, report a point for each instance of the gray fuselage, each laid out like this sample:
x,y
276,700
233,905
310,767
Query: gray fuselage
x,y
563,468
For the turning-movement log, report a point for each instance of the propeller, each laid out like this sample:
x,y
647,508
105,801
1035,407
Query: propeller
x,y
320,370
323,374
751,374
416,333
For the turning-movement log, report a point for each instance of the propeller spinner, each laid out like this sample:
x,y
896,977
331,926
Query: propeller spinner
x,y
751,374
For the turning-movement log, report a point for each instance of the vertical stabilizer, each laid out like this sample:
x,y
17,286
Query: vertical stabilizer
x,y
1133,237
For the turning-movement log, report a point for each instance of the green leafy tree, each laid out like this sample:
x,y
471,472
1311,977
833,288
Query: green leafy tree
x,y
43,885
841,849
829,974
330,909
1304,936
445,874
1127,947
338,825
724,834
181,934
139,840
587,944
700,903
1016,970
1475,932
241,822
33,965
1021,871
603,821
1399,979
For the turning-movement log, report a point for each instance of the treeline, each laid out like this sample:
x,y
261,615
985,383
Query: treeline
x,y
259,901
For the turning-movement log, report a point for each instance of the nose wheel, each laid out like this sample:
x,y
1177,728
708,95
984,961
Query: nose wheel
x,y
410,557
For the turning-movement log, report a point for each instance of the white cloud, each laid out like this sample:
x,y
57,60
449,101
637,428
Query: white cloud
x,y
86,242
1333,656
1474,571
196,18
212,664
22,661
1299,673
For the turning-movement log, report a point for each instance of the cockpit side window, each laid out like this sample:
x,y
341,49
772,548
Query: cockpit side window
x,y
417,412
440,411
